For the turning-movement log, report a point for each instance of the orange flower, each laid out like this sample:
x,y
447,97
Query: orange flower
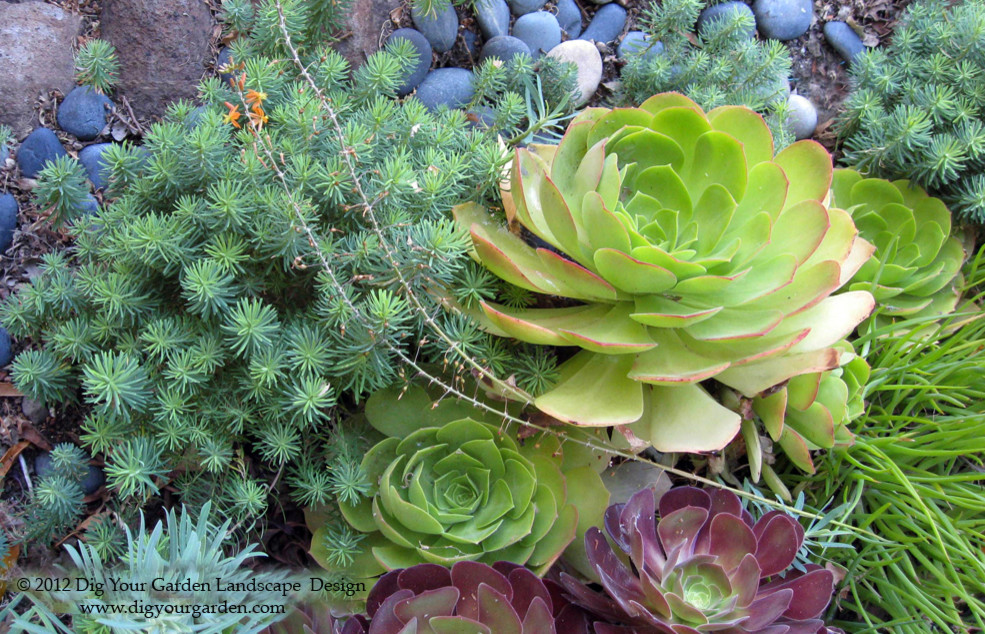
x,y
232,115
257,116
253,96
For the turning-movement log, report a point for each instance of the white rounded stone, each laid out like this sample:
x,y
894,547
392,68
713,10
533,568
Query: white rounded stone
x,y
803,117
587,58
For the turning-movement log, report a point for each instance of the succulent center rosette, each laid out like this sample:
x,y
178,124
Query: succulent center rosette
x,y
916,268
704,566
460,492
692,251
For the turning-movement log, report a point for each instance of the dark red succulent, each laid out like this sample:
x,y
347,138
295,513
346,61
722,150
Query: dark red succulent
x,y
471,598
316,618
705,566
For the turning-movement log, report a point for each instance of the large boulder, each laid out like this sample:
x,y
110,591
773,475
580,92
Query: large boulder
x,y
35,57
163,46
364,26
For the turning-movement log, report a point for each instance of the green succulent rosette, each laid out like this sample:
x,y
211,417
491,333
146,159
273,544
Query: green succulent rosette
x,y
915,271
812,411
446,487
689,251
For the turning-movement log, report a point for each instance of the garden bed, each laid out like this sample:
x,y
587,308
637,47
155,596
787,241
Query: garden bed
x,y
293,286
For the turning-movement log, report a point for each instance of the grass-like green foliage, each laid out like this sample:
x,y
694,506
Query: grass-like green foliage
x,y
915,110
919,453
62,189
248,274
97,65
720,66
55,502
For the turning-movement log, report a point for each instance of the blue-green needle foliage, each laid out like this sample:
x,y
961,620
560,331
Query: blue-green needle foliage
x,y
235,287
62,189
182,546
4,546
97,65
915,111
55,503
720,66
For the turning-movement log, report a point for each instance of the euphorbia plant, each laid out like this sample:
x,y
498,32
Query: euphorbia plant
x,y
692,252
704,566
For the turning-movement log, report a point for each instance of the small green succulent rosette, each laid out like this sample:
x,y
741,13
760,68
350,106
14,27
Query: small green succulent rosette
x,y
811,411
685,249
446,487
915,271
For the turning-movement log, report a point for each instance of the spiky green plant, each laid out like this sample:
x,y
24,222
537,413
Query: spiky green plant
x,y
226,297
62,189
105,537
97,65
180,548
55,504
915,107
69,461
4,546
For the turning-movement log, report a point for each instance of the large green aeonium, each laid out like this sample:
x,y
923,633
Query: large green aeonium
x,y
695,253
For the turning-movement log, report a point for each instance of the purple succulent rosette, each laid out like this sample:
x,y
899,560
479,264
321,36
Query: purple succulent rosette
x,y
471,598
705,566
317,618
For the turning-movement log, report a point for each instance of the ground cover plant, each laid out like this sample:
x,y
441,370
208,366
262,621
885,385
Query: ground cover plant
x,y
193,307
918,466
915,111
469,361
716,66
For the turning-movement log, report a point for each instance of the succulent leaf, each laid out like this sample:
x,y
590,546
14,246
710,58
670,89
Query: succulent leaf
x,y
452,483
915,271
700,563
812,410
471,598
693,251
